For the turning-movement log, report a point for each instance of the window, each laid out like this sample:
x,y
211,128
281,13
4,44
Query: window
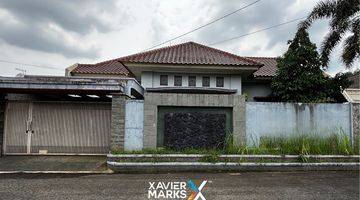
x,y
219,81
192,81
206,81
177,80
163,80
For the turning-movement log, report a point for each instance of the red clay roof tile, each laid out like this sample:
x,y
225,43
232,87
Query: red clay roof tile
x,y
269,68
189,53
185,53
111,67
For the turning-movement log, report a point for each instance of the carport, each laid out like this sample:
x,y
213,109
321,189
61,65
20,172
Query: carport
x,y
63,115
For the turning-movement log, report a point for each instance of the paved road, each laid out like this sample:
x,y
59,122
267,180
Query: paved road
x,y
250,185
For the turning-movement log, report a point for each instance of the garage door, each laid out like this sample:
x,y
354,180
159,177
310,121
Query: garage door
x,y
57,127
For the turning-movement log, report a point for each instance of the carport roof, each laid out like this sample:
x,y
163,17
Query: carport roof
x,y
62,84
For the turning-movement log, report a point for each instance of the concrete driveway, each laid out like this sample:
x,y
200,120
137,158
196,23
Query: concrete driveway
x,y
250,185
53,163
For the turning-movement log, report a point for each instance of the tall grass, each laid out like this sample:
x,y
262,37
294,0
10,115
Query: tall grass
x,y
308,144
301,144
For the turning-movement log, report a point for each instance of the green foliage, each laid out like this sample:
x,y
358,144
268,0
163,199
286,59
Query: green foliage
x,y
344,21
301,144
299,77
335,84
308,144
212,157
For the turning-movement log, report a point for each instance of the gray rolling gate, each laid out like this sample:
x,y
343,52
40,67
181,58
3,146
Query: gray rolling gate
x,y
57,127
42,115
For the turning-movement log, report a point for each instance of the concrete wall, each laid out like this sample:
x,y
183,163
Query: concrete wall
x,y
275,119
134,125
118,110
154,100
356,120
152,79
255,90
2,121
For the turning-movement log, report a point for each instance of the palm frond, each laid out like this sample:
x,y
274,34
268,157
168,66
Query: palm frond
x,y
344,12
324,9
351,48
331,40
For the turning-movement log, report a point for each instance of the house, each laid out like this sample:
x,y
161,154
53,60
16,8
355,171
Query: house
x,y
352,94
145,100
189,68
194,94
183,96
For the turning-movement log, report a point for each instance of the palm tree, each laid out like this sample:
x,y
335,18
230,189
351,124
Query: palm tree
x,y
344,21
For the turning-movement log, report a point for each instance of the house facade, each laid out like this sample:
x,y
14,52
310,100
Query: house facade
x,y
186,95
194,95
190,68
183,96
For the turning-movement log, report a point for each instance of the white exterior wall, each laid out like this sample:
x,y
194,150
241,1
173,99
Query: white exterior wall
x,y
152,80
256,90
134,125
147,79
285,119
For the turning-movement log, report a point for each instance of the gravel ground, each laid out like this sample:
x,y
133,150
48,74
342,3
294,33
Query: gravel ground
x,y
249,185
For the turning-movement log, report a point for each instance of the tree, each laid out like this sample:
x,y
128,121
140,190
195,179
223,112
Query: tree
x,y
335,85
299,77
344,18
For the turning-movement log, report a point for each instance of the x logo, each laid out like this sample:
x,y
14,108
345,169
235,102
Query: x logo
x,y
196,191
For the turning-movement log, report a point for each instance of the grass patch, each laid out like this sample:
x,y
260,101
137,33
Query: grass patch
x,y
211,157
302,145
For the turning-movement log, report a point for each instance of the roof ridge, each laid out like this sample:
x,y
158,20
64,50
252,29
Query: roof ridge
x,y
154,50
137,54
227,53
244,59
271,57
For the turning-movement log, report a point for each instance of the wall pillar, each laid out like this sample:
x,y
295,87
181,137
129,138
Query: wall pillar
x,y
2,121
118,122
239,121
355,122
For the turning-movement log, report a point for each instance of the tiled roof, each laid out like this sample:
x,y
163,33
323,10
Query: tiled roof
x,y
111,67
189,53
352,95
185,53
269,68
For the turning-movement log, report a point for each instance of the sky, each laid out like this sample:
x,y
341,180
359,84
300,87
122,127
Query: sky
x,y
56,34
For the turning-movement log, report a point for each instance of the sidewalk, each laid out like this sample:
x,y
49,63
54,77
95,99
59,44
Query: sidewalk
x,y
53,163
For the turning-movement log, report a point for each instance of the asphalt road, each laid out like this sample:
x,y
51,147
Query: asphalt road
x,y
249,185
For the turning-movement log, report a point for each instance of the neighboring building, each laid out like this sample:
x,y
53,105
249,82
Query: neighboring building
x,y
352,94
189,68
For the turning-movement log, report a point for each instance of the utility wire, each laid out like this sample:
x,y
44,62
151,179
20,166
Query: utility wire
x,y
31,65
202,26
257,31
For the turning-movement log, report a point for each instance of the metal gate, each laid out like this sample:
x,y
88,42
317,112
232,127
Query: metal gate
x,y
57,127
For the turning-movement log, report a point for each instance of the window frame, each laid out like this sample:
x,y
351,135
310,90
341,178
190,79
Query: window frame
x,y
167,80
202,81
181,79
189,81
220,78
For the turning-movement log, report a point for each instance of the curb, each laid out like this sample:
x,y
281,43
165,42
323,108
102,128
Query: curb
x,y
230,158
153,167
228,155
57,172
